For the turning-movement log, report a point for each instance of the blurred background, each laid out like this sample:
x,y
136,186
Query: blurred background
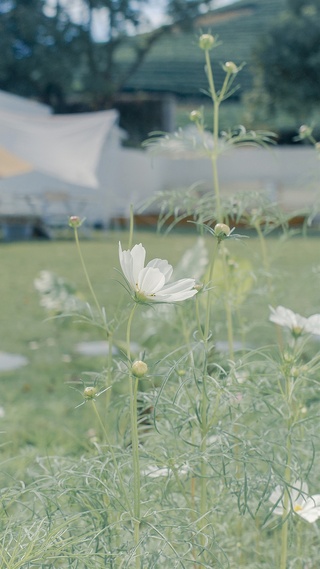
x,y
141,57
138,61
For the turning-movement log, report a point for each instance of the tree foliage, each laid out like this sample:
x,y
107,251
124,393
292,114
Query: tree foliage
x,y
50,54
287,61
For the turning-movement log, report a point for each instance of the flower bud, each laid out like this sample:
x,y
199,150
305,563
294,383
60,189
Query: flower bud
x,y
75,221
295,372
181,372
221,230
288,358
206,42
139,368
199,287
89,392
230,67
195,116
305,131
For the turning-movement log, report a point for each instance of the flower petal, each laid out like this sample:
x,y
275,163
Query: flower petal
x,y
175,297
132,262
138,254
313,324
150,281
286,317
126,263
164,267
181,285
311,509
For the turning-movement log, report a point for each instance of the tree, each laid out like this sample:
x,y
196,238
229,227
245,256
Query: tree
x,y
53,56
287,61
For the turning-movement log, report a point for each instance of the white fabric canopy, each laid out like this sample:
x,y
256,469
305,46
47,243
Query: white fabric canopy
x,y
65,146
15,104
11,165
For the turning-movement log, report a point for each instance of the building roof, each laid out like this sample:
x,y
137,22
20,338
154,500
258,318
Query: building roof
x,y
175,64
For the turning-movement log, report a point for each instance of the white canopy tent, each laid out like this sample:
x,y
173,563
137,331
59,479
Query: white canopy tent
x,y
15,104
72,162
65,146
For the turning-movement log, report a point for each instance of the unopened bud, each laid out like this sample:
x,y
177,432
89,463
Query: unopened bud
x,y
288,358
89,392
230,67
195,116
198,286
206,42
139,368
222,230
295,372
305,131
75,221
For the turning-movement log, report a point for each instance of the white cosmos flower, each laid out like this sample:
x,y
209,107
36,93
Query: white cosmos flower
x,y
150,283
307,507
297,324
156,472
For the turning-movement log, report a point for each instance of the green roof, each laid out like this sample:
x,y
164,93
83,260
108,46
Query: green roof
x,y
175,64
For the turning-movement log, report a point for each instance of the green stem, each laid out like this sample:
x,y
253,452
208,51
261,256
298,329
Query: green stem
x,y
210,76
133,388
109,371
227,304
87,274
203,448
214,157
287,480
286,504
121,483
208,304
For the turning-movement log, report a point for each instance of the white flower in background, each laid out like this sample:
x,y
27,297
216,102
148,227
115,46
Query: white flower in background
x,y
44,282
150,283
297,324
57,295
313,324
156,472
307,507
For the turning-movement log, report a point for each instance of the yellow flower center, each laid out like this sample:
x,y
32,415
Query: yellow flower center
x,y
297,508
297,331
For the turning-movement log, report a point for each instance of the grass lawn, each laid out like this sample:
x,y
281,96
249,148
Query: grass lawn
x,y
67,486
37,399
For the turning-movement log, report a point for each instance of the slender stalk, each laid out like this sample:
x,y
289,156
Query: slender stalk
x,y
108,382
87,274
227,304
287,478
208,304
203,448
109,371
210,76
266,266
216,100
133,389
115,462
214,156
286,504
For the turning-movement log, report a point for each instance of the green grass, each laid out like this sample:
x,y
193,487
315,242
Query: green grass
x,y
39,403
62,493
